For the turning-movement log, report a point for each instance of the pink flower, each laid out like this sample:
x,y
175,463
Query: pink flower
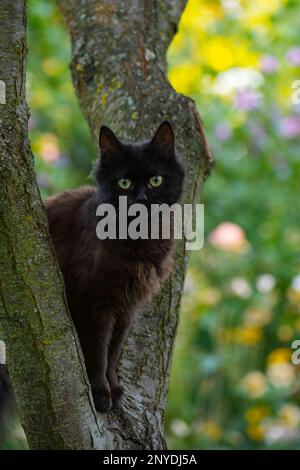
x,y
49,148
293,55
223,132
269,64
247,100
289,127
228,237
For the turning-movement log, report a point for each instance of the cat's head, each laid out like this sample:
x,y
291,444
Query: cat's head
x,y
148,172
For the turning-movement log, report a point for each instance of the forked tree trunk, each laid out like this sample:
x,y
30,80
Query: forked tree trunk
x,y
119,72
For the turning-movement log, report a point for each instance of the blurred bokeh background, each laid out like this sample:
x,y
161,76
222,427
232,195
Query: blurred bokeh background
x,y
233,384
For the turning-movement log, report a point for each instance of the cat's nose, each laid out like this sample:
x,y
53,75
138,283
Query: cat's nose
x,y
141,197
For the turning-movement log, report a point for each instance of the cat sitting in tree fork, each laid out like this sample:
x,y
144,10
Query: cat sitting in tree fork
x,y
106,280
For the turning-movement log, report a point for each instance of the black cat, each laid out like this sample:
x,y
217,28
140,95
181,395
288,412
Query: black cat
x,y
107,279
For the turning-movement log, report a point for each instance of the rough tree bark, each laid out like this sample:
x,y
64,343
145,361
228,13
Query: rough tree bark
x,y
119,72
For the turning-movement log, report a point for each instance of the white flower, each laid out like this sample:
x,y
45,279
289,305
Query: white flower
x,y
180,428
265,283
241,287
281,375
296,283
238,79
254,383
281,433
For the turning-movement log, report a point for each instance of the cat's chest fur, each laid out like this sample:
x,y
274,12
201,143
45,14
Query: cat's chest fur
x,y
128,275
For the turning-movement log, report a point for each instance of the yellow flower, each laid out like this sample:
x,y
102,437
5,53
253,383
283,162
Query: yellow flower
x,y
243,55
279,356
254,383
177,44
250,335
217,54
184,77
211,430
222,53
255,414
199,15
246,335
259,14
256,432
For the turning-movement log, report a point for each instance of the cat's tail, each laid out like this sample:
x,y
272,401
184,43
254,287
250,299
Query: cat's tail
x,y
7,402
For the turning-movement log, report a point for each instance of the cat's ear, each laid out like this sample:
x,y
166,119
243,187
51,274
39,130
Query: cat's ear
x,y
163,140
109,144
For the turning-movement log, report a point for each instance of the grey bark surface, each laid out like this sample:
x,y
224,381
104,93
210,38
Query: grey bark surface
x,y
119,73
44,358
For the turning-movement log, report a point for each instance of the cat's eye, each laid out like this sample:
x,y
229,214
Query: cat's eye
x,y
155,181
125,183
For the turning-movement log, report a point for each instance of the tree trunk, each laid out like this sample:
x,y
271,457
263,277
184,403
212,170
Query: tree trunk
x,y
44,359
119,73
118,68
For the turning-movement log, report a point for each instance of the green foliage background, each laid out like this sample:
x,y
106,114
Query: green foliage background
x,y
233,384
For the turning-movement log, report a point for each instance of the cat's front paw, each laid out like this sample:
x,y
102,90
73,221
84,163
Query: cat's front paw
x,y
102,399
116,396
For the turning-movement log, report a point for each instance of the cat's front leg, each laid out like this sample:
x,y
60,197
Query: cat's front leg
x,y
119,335
95,339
